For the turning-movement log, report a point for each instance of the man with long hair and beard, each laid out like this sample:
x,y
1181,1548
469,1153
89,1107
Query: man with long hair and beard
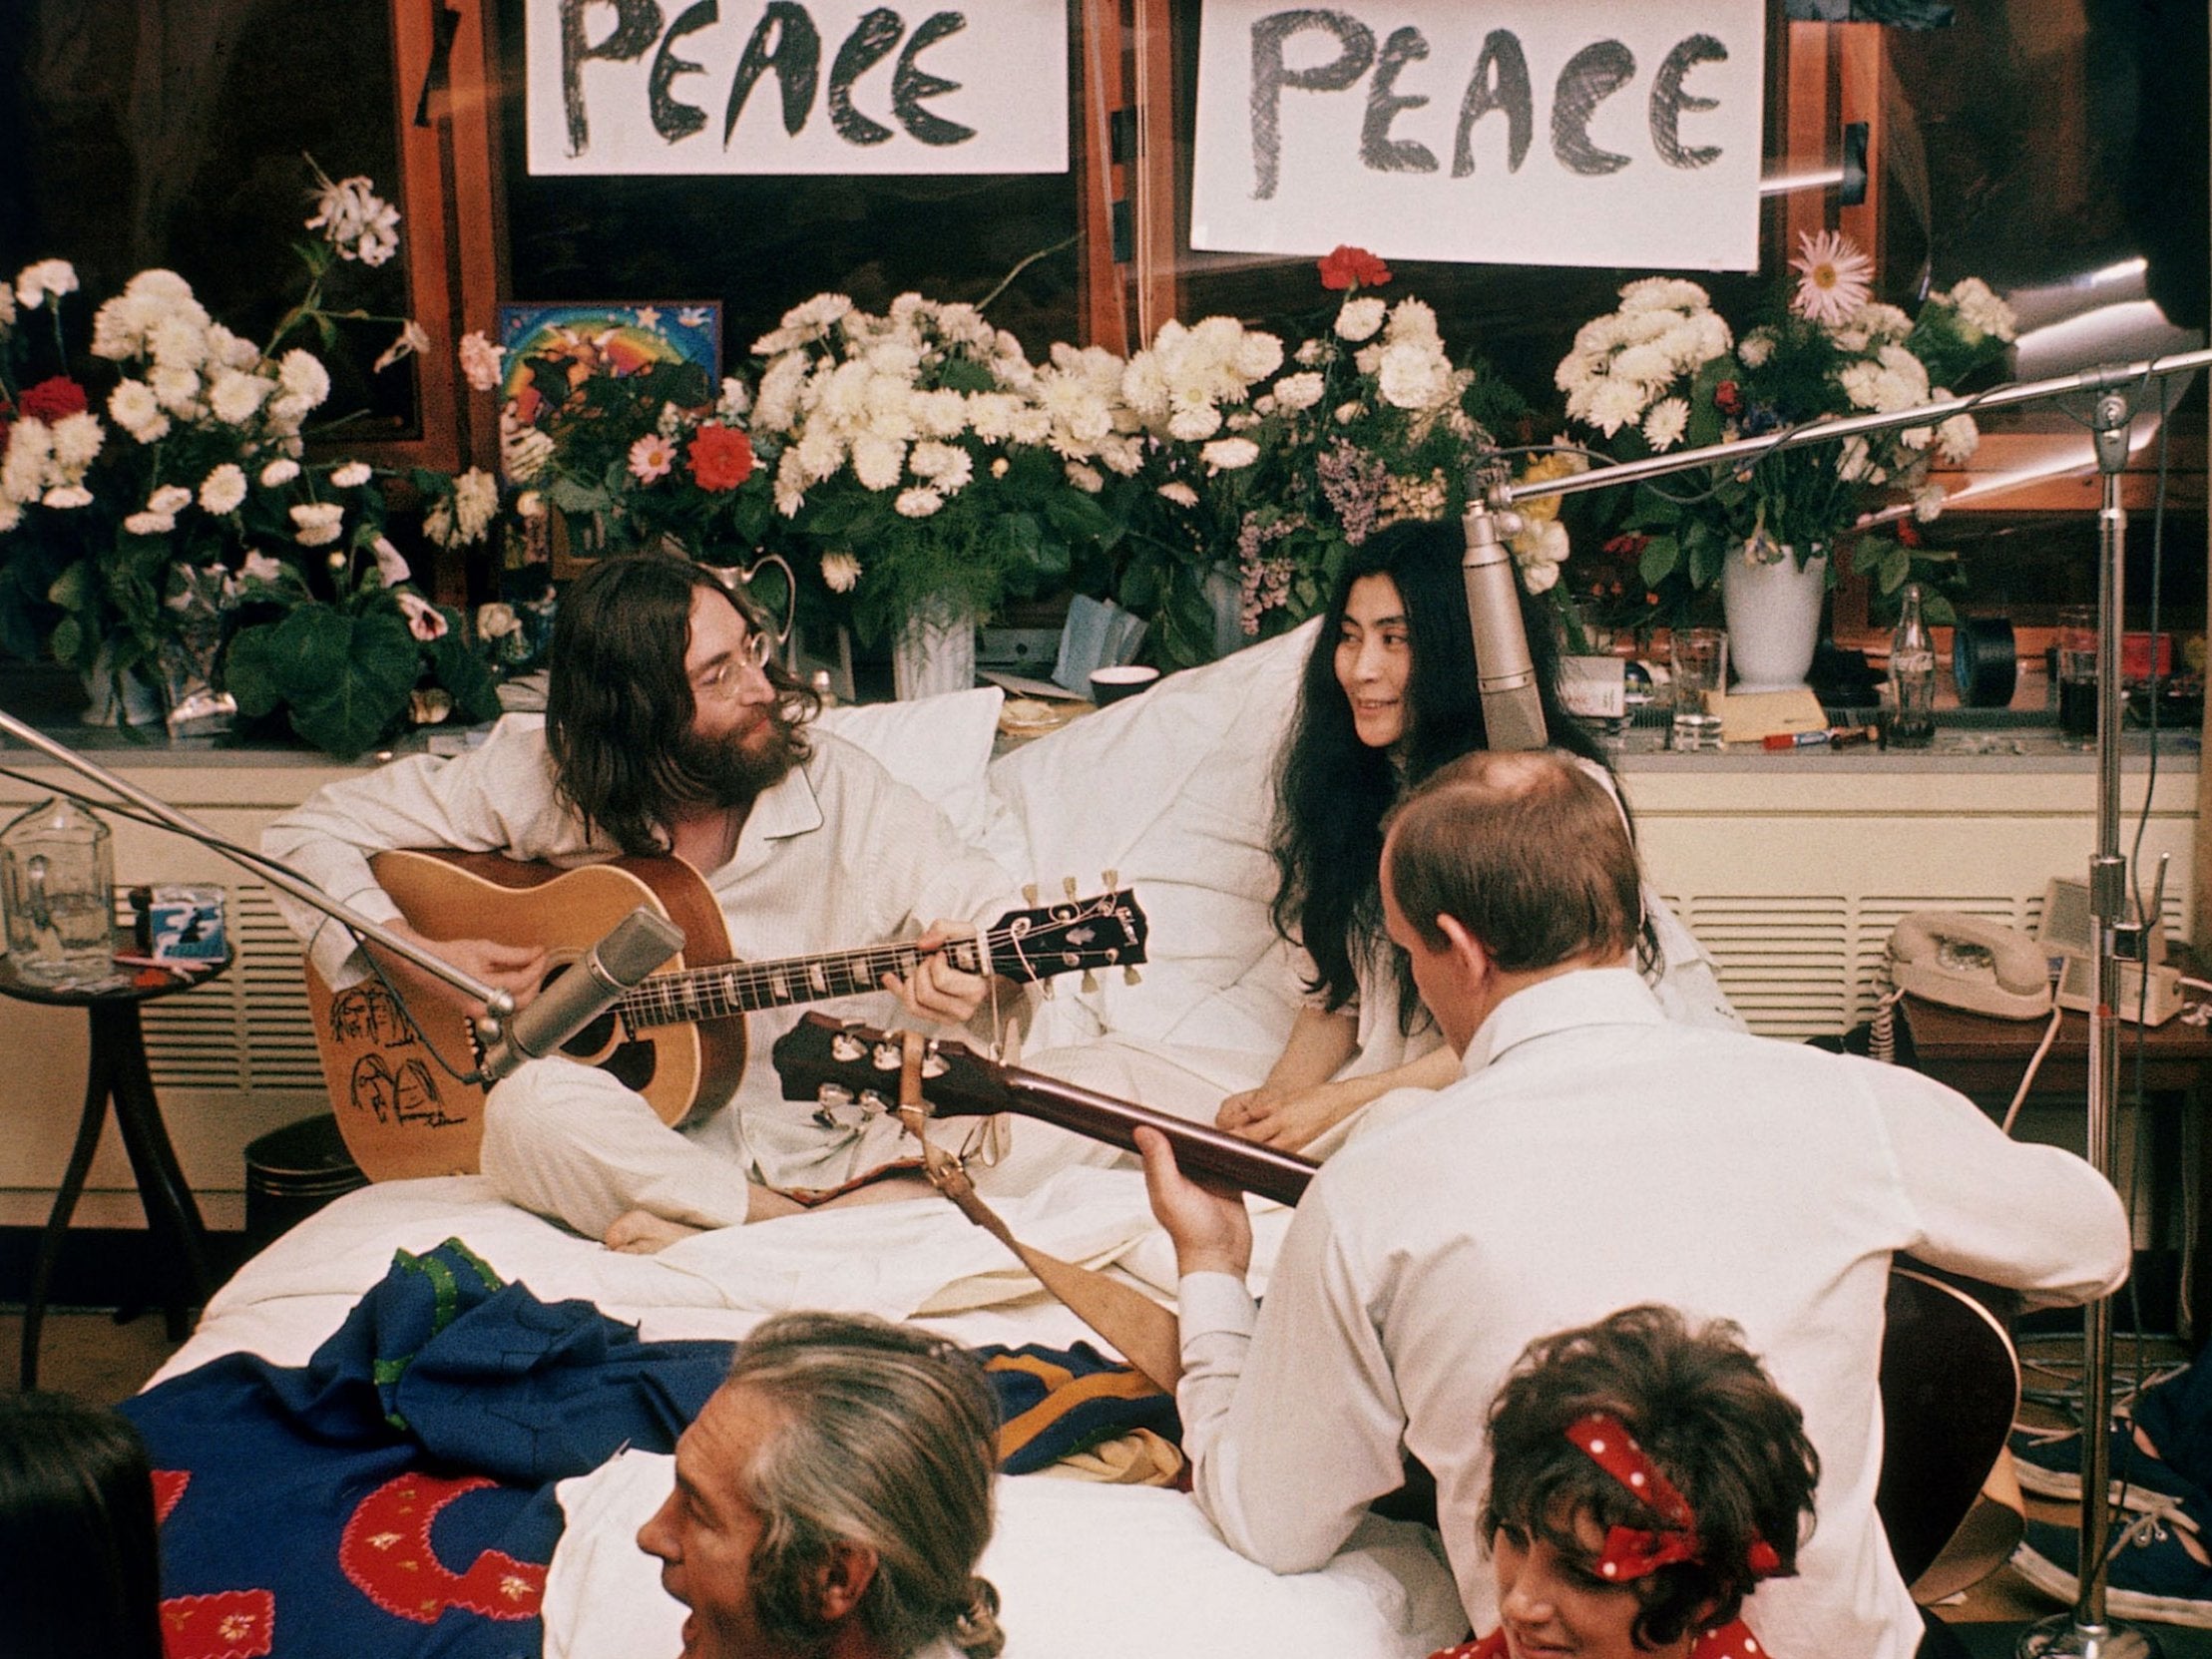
x,y
670,730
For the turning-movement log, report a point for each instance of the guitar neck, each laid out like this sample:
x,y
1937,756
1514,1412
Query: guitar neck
x,y
1201,1151
747,986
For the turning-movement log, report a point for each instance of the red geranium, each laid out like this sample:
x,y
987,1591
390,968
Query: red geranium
x,y
722,457
51,400
1353,268
1907,533
1728,397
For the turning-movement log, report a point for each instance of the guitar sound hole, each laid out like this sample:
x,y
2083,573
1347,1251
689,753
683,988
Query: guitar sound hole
x,y
591,1039
631,1064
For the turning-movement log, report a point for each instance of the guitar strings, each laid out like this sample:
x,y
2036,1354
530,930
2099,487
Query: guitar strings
x,y
741,988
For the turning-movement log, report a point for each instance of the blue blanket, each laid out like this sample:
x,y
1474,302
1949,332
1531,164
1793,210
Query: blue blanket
x,y
394,1496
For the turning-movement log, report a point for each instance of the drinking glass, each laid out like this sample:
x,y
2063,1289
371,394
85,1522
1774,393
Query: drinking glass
x,y
2077,674
1699,659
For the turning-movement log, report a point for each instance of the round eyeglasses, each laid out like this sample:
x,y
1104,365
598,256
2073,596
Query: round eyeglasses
x,y
721,680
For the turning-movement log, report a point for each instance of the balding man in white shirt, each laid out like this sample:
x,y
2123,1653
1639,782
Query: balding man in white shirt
x,y
1593,1155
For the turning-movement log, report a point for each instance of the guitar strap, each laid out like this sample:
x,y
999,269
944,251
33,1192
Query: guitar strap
x,y
1139,1329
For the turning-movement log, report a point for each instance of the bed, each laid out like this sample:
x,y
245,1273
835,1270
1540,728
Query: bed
x,y
1169,791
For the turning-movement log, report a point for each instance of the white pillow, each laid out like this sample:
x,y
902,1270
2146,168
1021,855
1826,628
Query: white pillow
x,y
936,747
1084,1571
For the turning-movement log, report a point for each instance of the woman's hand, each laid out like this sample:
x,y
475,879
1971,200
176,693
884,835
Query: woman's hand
x,y
1290,1120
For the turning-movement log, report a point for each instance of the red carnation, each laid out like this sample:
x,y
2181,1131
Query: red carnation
x,y
722,457
1728,397
51,400
1353,268
1907,533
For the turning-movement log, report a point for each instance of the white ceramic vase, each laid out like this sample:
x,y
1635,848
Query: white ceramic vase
x,y
1773,612
934,651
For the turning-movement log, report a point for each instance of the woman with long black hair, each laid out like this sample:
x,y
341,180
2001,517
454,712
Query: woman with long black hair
x,y
1388,695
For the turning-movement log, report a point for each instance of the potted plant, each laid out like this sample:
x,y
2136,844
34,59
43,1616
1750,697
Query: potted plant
x,y
129,543
1664,370
925,470
1262,473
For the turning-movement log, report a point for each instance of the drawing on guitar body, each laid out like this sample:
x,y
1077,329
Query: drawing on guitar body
x,y
677,1038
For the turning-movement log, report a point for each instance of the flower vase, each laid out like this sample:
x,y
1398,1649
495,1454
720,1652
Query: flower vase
x,y
1225,598
934,651
119,698
1773,611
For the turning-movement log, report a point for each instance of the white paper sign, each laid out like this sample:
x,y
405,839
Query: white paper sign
x,y
1519,132
797,86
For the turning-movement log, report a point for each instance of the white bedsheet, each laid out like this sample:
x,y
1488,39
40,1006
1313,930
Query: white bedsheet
x,y
1084,1569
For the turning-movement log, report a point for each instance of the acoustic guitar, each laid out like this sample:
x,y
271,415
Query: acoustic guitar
x,y
1950,1378
677,1038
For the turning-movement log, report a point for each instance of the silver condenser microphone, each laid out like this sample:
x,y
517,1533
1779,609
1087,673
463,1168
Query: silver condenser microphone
x,y
1512,713
639,943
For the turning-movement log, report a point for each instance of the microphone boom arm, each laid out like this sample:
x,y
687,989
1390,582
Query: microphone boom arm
x,y
498,1004
1751,450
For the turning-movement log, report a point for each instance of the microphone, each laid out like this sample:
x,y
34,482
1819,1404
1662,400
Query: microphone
x,y
1512,713
639,943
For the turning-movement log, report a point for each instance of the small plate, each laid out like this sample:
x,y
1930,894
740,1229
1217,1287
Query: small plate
x,y
1034,716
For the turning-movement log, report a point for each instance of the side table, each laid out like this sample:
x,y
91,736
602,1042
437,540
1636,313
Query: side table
x,y
115,1070
1979,1056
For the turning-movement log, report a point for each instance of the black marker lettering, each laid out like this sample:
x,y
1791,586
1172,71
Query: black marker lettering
x,y
911,83
1378,150
796,59
1356,43
1500,81
673,118
871,41
1668,101
636,27
1591,76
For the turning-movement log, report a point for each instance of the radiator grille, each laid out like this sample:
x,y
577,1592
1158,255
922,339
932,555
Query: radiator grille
x,y
248,1032
1801,965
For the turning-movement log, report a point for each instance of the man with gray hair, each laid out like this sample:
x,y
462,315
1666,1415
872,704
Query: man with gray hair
x,y
1593,1155
833,1498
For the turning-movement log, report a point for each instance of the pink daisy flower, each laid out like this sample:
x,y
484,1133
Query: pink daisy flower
x,y
651,457
1834,278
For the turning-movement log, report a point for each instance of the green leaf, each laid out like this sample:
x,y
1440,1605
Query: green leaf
x,y
1937,611
1896,566
344,680
1660,556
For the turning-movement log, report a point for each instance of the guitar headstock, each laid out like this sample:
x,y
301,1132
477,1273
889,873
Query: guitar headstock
x,y
838,1064
1074,936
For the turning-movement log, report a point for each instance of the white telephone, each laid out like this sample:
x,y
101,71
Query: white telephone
x,y
1964,962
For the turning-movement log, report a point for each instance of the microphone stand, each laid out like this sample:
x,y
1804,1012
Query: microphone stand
x,y
2086,1632
499,1006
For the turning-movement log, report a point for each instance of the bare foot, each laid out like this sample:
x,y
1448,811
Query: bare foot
x,y
642,1233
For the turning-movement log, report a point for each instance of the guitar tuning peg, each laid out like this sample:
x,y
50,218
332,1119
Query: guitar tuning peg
x,y
846,1047
1029,894
1089,979
1129,976
1112,878
1067,884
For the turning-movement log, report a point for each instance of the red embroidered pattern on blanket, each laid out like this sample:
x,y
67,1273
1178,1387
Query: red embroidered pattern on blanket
x,y
229,1624
386,1553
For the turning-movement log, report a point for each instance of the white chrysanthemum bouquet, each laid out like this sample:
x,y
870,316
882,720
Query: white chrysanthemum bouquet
x,y
1664,371
1285,464
928,467
138,528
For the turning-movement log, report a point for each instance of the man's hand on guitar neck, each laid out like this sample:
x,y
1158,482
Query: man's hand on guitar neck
x,y
1212,1230
937,990
516,969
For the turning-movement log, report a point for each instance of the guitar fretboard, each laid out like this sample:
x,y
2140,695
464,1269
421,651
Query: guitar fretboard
x,y
747,986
